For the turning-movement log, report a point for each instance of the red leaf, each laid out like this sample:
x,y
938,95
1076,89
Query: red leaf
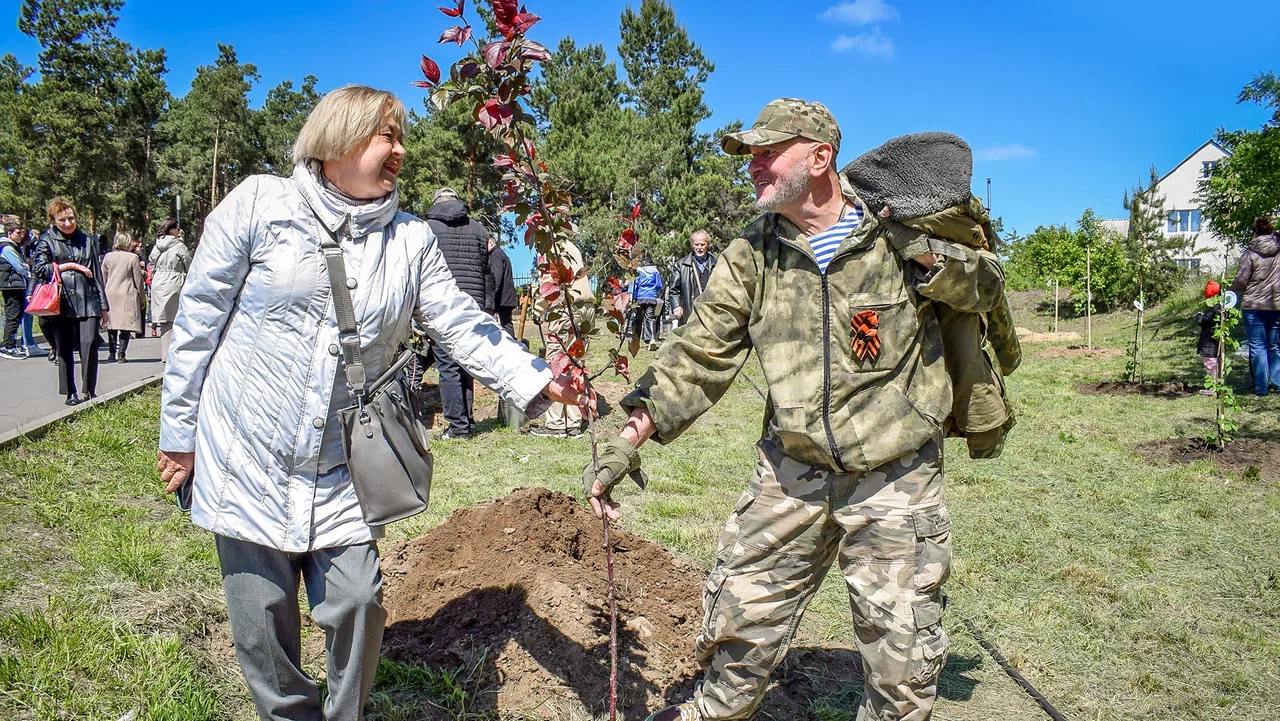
x,y
529,149
458,34
615,285
505,160
494,53
622,367
627,241
559,361
635,210
577,349
523,21
421,84
453,12
430,70
549,291
493,113
504,16
468,70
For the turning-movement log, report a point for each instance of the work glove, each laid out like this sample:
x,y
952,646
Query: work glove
x,y
618,458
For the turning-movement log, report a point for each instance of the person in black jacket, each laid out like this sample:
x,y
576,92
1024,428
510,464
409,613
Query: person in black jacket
x,y
465,245
690,276
500,298
84,298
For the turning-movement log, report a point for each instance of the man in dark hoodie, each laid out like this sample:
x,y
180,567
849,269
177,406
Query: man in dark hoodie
x,y
465,245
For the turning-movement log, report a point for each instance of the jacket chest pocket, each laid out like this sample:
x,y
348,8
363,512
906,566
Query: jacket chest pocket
x,y
877,335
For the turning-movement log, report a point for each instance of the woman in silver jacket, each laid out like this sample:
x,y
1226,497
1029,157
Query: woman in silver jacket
x,y
252,392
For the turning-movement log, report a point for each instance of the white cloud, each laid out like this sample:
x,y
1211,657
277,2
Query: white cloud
x,y
860,12
997,153
873,45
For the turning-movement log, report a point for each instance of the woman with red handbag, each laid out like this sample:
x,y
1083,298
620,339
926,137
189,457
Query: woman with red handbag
x,y
84,299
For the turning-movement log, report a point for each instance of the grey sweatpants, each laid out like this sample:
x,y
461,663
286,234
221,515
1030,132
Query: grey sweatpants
x,y
344,587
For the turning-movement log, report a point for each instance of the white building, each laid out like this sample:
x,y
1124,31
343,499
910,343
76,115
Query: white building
x,y
1208,251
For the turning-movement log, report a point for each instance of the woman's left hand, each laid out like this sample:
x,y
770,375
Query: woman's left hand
x,y
565,389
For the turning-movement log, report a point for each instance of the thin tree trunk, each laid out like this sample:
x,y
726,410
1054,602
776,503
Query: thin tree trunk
x,y
1088,294
213,176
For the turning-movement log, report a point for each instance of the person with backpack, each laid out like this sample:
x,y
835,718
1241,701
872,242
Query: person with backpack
x,y
1257,282
15,281
836,302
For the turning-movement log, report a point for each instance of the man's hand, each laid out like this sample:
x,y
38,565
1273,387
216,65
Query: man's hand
x,y
174,467
677,312
618,458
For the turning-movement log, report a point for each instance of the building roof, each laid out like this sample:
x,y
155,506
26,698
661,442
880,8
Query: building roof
x,y
1211,141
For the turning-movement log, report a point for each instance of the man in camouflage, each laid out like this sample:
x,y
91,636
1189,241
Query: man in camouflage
x,y
850,463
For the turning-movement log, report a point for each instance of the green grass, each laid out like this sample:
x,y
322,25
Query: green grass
x,y
1121,589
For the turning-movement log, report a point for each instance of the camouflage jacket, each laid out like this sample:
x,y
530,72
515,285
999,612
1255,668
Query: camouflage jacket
x,y
826,407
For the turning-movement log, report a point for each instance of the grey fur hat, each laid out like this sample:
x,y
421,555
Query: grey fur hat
x,y
915,175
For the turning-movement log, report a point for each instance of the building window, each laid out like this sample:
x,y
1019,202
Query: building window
x,y
1184,221
1188,264
1207,168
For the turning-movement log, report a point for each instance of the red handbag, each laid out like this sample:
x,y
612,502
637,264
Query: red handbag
x,y
46,300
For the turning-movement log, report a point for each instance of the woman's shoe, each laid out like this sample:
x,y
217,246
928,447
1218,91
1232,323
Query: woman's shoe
x,y
111,358
73,400
123,360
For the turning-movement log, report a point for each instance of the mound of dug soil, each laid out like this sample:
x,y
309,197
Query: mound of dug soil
x,y
1236,459
1121,388
514,591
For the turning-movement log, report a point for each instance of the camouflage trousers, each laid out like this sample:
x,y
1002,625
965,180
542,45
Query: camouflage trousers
x,y
889,530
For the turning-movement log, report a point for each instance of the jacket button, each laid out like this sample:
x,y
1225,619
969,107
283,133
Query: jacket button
x,y
334,349
351,283
317,423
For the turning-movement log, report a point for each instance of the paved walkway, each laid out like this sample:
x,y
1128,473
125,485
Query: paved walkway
x,y
30,386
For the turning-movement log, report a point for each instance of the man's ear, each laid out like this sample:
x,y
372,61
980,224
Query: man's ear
x,y
822,159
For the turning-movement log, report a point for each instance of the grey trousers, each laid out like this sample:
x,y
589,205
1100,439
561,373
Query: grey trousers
x,y
344,587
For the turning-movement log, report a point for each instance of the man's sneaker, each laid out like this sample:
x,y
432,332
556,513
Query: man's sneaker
x,y
574,432
653,345
544,432
11,353
684,712
449,435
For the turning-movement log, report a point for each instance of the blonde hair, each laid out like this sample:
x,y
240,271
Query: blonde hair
x,y
123,240
344,120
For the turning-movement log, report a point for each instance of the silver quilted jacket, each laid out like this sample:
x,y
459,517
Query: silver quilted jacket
x,y
250,383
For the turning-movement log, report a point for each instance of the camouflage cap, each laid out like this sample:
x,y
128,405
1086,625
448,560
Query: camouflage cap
x,y
784,119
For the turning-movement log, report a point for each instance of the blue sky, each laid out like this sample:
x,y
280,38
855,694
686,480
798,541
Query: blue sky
x,y
1066,104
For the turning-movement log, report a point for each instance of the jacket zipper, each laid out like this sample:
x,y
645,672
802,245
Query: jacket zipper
x,y
826,372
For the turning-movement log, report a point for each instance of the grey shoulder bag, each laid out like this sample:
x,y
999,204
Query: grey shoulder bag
x,y
387,450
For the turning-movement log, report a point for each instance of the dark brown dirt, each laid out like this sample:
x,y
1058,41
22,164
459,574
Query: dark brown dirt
x,y
1235,460
514,592
1079,351
1122,388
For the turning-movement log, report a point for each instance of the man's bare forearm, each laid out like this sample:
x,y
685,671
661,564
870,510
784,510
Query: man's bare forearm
x,y
639,427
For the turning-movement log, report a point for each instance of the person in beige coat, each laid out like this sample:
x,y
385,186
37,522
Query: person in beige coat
x,y
126,293
171,259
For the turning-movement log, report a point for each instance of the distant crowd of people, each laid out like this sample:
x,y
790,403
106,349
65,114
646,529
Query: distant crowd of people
x,y
88,289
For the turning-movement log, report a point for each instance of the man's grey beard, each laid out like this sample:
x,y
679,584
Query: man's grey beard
x,y
787,189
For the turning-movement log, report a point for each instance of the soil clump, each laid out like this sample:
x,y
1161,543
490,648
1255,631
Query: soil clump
x,y
513,592
1242,457
1171,389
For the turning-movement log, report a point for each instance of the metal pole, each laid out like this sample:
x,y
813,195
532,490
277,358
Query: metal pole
x,y
178,217
988,195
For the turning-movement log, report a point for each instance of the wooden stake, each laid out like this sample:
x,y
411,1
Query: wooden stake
x,y
1088,294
